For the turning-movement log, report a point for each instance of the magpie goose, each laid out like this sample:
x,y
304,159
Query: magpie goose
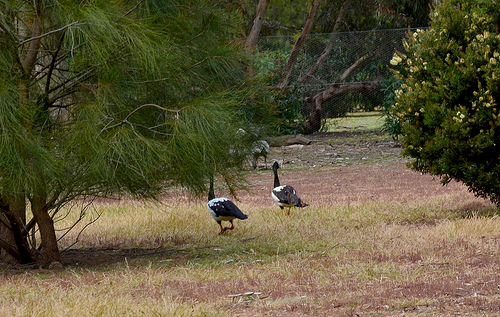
x,y
223,209
285,195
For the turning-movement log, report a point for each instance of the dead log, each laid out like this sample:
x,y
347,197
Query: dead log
x,y
286,140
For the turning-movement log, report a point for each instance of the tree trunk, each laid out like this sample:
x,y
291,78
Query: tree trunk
x,y
14,237
298,45
8,252
331,43
34,45
50,250
13,208
253,36
314,122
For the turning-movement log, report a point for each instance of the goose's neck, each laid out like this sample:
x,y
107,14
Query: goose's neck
x,y
211,194
276,179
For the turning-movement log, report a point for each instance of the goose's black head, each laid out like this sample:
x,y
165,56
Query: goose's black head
x,y
275,166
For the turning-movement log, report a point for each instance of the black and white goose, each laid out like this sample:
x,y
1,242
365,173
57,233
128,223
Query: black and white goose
x,y
285,195
223,209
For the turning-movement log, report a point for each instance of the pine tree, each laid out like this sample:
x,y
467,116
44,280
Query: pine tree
x,y
111,98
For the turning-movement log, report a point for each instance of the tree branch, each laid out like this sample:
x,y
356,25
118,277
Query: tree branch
x,y
37,37
298,45
53,63
10,249
32,51
331,43
133,8
348,71
125,120
324,95
314,122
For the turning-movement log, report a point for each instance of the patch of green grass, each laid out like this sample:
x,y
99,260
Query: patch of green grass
x,y
356,122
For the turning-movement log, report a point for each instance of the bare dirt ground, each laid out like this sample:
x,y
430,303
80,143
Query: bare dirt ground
x,y
335,149
353,167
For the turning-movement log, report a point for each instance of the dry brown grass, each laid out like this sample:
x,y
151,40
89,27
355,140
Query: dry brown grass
x,y
377,240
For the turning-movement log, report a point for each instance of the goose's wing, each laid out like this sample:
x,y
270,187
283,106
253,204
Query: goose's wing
x,y
223,207
287,196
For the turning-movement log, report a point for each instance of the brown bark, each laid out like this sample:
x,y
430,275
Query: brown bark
x,y
13,228
8,253
17,215
253,36
15,246
331,43
34,45
49,248
348,71
298,45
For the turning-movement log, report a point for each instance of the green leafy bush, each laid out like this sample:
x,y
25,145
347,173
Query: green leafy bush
x,y
391,120
448,102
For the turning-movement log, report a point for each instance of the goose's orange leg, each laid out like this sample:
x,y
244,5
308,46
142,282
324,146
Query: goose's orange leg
x,y
230,228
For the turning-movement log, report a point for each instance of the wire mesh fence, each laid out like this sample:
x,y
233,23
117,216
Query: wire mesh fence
x,y
340,51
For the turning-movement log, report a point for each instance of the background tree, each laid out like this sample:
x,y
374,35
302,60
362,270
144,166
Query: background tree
x,y
285,17
448,101
301,79
373,14
292,59
111,98
347,13
253,34
282,16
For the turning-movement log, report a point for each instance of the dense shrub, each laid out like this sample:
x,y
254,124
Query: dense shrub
x,y
448,101
391,120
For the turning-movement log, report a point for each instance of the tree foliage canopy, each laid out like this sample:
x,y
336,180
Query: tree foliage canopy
x,y
112,82
448,102
116,97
